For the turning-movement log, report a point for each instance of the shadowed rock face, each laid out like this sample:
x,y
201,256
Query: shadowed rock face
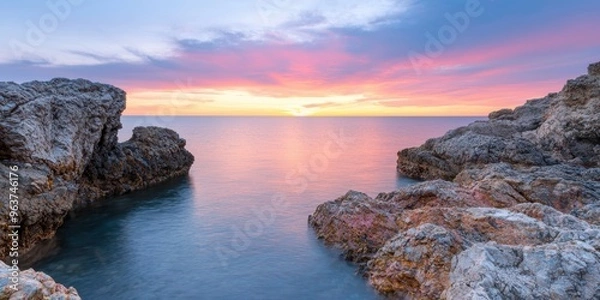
x,y
151,156
511,210
62,135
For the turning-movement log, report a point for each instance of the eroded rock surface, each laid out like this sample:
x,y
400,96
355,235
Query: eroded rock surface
x,y
62,136
552,271
33,285
511,209
560,128
152,155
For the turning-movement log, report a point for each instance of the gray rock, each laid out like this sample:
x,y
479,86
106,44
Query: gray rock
x,y
415,263
562,186
151,156
354,223
589,213
560,128
33,285
518,217
359,225
62,135
594,69
553,271
60,123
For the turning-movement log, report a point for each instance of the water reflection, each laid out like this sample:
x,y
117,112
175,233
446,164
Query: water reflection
x,y
217,234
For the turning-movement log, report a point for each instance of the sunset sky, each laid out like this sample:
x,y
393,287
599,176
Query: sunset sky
x,y
283,57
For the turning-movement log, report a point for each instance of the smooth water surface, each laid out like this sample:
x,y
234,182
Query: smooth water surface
x,y
236,227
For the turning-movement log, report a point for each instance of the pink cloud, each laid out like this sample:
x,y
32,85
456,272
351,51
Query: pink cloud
x,y
486,75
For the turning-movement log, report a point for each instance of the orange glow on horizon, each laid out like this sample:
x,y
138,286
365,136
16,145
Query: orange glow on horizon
x,y
283,80
478,102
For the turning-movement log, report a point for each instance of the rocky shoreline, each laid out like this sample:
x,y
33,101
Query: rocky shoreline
x,y
510,208
59,138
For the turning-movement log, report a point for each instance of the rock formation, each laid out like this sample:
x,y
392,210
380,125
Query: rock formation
x,y
511,209
34,286
62,137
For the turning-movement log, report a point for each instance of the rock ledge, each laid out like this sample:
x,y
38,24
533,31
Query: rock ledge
x,y
62,137
511,209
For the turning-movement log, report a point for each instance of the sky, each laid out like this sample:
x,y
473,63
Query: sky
x,y
305,58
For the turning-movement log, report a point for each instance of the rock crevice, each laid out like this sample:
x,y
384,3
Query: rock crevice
x,y
510,210
62,136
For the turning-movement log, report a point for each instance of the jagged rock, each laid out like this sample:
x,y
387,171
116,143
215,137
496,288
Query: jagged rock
x,y
33,285
60,123
564,187
414,262
355,223
594,69
359,224
589,213
62,136
562,127
518,218
152,155
551,216
480,224
433,193
417,261
553,271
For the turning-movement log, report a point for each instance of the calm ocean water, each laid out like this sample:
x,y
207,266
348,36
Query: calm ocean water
x,y
236,227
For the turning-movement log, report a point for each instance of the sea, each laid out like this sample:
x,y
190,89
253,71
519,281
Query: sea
x,y
236,226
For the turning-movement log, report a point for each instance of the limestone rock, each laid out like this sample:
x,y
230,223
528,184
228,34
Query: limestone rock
x,y
62,136
152,155
354,223
33,285
59,124
562,127
562,186
359,224
589,213
553,271
517,218
415,262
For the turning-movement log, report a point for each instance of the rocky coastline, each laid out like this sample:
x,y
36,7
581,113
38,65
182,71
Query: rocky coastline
x,y
60,138
510,208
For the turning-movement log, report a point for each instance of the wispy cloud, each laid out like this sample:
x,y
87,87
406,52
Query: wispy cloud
x,y
307,57
115,31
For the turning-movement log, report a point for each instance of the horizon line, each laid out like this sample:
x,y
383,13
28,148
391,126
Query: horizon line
x,y
318,116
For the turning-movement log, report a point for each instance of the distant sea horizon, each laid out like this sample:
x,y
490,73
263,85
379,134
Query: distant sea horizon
x,y
292,116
